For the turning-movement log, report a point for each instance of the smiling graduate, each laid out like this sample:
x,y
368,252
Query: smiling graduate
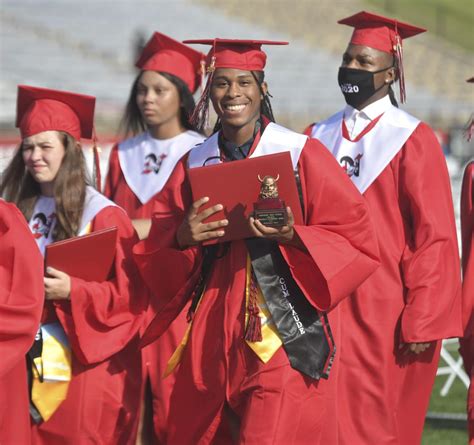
x,y
244,356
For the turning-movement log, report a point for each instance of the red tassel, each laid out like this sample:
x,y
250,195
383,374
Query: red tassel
x,y
401,72
470,130
98,178
202,79
253,332
200,117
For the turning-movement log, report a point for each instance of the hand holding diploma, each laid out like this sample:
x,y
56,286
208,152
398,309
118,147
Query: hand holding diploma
x,y
193,230
57,285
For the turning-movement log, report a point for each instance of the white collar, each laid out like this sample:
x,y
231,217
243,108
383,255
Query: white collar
x,y
369,112
147,176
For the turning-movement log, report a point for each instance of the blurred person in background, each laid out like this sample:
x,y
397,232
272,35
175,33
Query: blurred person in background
x,y
234,363
467,231
85,366
467,234
21,304
157,115
394,323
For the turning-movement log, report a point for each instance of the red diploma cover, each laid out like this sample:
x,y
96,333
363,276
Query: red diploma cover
x,y
237,185
88,257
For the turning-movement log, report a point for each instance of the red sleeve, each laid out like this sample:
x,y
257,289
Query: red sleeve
x,y
114,173
21,287
168,271
309,129
339,235
430,263
104,317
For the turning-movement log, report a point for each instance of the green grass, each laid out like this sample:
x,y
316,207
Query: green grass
x,y
450,19
443,437
454,402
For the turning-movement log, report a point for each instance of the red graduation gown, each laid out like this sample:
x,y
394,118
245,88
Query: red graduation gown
x,y
414,297
467,233
101,321
275,403
156,355
21,303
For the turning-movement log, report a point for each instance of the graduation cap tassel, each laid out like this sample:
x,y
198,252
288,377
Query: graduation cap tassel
x,y
95,149
202,76
200,117
401,72
470,126
253,332
470,130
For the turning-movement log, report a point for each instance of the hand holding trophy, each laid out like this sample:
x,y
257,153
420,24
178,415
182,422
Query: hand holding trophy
x,y
271,218
270,210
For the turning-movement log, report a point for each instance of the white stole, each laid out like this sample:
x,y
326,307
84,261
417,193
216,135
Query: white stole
x,y
147,163
365,159
274,139
43,217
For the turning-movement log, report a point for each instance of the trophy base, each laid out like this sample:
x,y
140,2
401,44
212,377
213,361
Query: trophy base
x,y
271,212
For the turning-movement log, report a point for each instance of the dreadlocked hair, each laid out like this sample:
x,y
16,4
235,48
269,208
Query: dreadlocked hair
x,y
265,106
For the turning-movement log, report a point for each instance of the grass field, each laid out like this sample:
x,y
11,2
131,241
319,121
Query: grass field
x,y
454,402
433,436
450,19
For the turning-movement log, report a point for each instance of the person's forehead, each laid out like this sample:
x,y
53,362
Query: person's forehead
x,y
44,136
232,72
153,78
361,50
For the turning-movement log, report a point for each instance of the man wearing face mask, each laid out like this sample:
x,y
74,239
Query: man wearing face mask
x,y
392,326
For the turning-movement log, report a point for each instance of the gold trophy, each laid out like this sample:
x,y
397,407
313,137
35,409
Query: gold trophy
x,y
270,210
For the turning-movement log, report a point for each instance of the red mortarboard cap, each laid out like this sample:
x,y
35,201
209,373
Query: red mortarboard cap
x,y
235,53
379,32
42,109
162,53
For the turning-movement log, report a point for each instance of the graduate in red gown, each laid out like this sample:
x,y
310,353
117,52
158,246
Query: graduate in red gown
x,y
157,115
245,357
394,323
157,118
467,232
21,303
86,375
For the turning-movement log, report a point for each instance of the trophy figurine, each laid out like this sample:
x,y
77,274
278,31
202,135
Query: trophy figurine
x,y
270,210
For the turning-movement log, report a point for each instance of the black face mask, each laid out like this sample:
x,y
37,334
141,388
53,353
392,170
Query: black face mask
x,y
357,85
